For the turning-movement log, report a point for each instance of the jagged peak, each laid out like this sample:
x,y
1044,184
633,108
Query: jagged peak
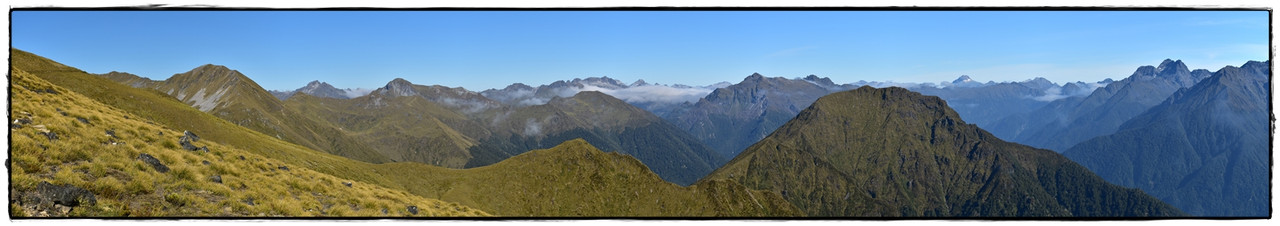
x,y
962,79
1168,67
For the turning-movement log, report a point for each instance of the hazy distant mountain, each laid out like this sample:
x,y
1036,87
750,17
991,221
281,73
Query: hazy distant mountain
x,y
893,152
1068,121
731,118
1205,149
321,89
986,104
657,98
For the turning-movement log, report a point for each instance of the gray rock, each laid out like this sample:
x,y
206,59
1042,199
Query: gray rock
x,y
66,195
348,184
51,135
188,135
216,179
413,210
155,163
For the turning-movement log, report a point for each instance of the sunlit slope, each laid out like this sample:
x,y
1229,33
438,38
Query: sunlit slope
x,y
230,95
420,179
577,179
99,149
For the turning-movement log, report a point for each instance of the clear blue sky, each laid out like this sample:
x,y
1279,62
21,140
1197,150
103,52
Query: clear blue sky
x,y
284,50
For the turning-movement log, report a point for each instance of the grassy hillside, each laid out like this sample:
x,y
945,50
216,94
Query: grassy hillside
x,y
893,152
232,96
98,148
404,128
161,110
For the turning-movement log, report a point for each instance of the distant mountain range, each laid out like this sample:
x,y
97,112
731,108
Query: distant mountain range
x,y
1203,149
1065,122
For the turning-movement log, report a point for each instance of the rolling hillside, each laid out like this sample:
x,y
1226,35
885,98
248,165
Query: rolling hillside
x,y
162,110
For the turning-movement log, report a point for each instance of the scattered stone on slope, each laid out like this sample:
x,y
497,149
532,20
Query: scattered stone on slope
x,y
348,184
111,133
285,168
49,200
17,123
155,163
83,120
187,146
188,135
205,162
51,135
413,210
216,178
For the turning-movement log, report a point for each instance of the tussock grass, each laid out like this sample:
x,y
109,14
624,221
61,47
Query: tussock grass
x,y
84,156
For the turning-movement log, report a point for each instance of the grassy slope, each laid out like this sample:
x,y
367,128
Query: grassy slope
x,y
85,156
421,179
892,152
401,128
241,101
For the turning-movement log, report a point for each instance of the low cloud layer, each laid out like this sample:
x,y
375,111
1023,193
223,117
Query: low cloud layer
x,y
655,93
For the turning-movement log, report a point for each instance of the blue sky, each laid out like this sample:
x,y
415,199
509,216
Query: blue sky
x,y
283,50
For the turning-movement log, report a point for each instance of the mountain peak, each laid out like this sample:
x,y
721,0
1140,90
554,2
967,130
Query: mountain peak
x,y
1171,67
640,82
963,79
399,87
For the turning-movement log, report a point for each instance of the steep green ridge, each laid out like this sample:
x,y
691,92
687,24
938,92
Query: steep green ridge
x,y
163,110
893,152
1204,150
604,121
97,148
230,95
403,128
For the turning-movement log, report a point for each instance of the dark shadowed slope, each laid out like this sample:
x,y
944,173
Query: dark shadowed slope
x,y
893,152
1204,150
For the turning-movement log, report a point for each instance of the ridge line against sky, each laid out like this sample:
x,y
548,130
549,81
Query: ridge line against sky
x,y
283,50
